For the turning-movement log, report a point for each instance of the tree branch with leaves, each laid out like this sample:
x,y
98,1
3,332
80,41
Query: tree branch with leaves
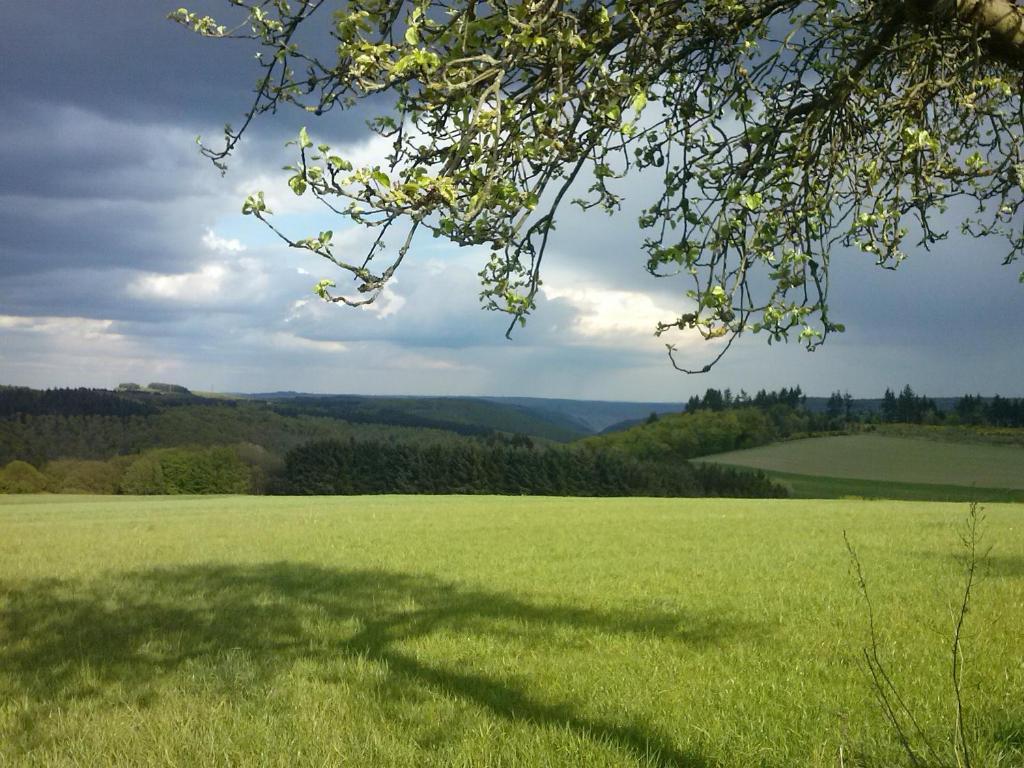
x,y
773,132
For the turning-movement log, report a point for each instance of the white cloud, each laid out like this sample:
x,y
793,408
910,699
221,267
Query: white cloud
x,y
296,310
203,286
388,303
610,315
373,151
83,328
74,351
292,342
218,244
280,200
218,283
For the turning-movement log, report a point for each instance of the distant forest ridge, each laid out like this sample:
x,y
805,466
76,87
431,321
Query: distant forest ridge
x,y
581,416
557,419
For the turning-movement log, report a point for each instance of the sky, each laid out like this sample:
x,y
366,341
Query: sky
x,y
124,257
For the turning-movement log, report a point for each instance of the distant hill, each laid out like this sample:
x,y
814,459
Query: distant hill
x,y
552,418
464,415
621,426
40,437
592,415
42,425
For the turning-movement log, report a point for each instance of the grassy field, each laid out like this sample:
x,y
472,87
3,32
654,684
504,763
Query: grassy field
x,y
889,459
462,631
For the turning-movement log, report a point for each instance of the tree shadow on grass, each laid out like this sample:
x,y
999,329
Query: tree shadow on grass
x,y
1010,735
129,630
993,565
1003,566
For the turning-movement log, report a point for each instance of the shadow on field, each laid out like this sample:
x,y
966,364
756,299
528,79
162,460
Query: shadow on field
x,y
64,640
1003,566
1010,734
992,565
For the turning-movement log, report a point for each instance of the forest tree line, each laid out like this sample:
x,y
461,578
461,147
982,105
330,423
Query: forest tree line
x,y
344,467
508,467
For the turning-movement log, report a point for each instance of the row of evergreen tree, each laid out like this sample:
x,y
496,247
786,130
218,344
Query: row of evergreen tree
x,y
996,411
906,407
22,401
910,408
336,467
720,400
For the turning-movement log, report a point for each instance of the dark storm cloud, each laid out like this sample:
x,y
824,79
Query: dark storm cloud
x,y
122,59
125,60
41,235
66,152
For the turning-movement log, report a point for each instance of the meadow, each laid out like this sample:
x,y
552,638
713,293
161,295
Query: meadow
x,y
886,466
493,631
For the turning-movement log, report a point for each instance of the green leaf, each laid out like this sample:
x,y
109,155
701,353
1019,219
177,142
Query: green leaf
x,y
255,205
716,297
751,201
304,140
320,289
412,36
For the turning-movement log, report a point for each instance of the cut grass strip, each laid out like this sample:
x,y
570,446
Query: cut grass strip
x,y
819,487
888,459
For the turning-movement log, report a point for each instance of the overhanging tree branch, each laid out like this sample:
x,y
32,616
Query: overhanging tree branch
x,y
774,131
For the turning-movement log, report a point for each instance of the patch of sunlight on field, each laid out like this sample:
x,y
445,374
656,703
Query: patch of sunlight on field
x,y
888,459
490,631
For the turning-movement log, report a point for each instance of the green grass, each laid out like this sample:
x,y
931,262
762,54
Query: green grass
x,y
488,631
889,460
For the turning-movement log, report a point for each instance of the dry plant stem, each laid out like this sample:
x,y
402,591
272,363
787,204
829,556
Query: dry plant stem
x,y
897,712
893,705
970,541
